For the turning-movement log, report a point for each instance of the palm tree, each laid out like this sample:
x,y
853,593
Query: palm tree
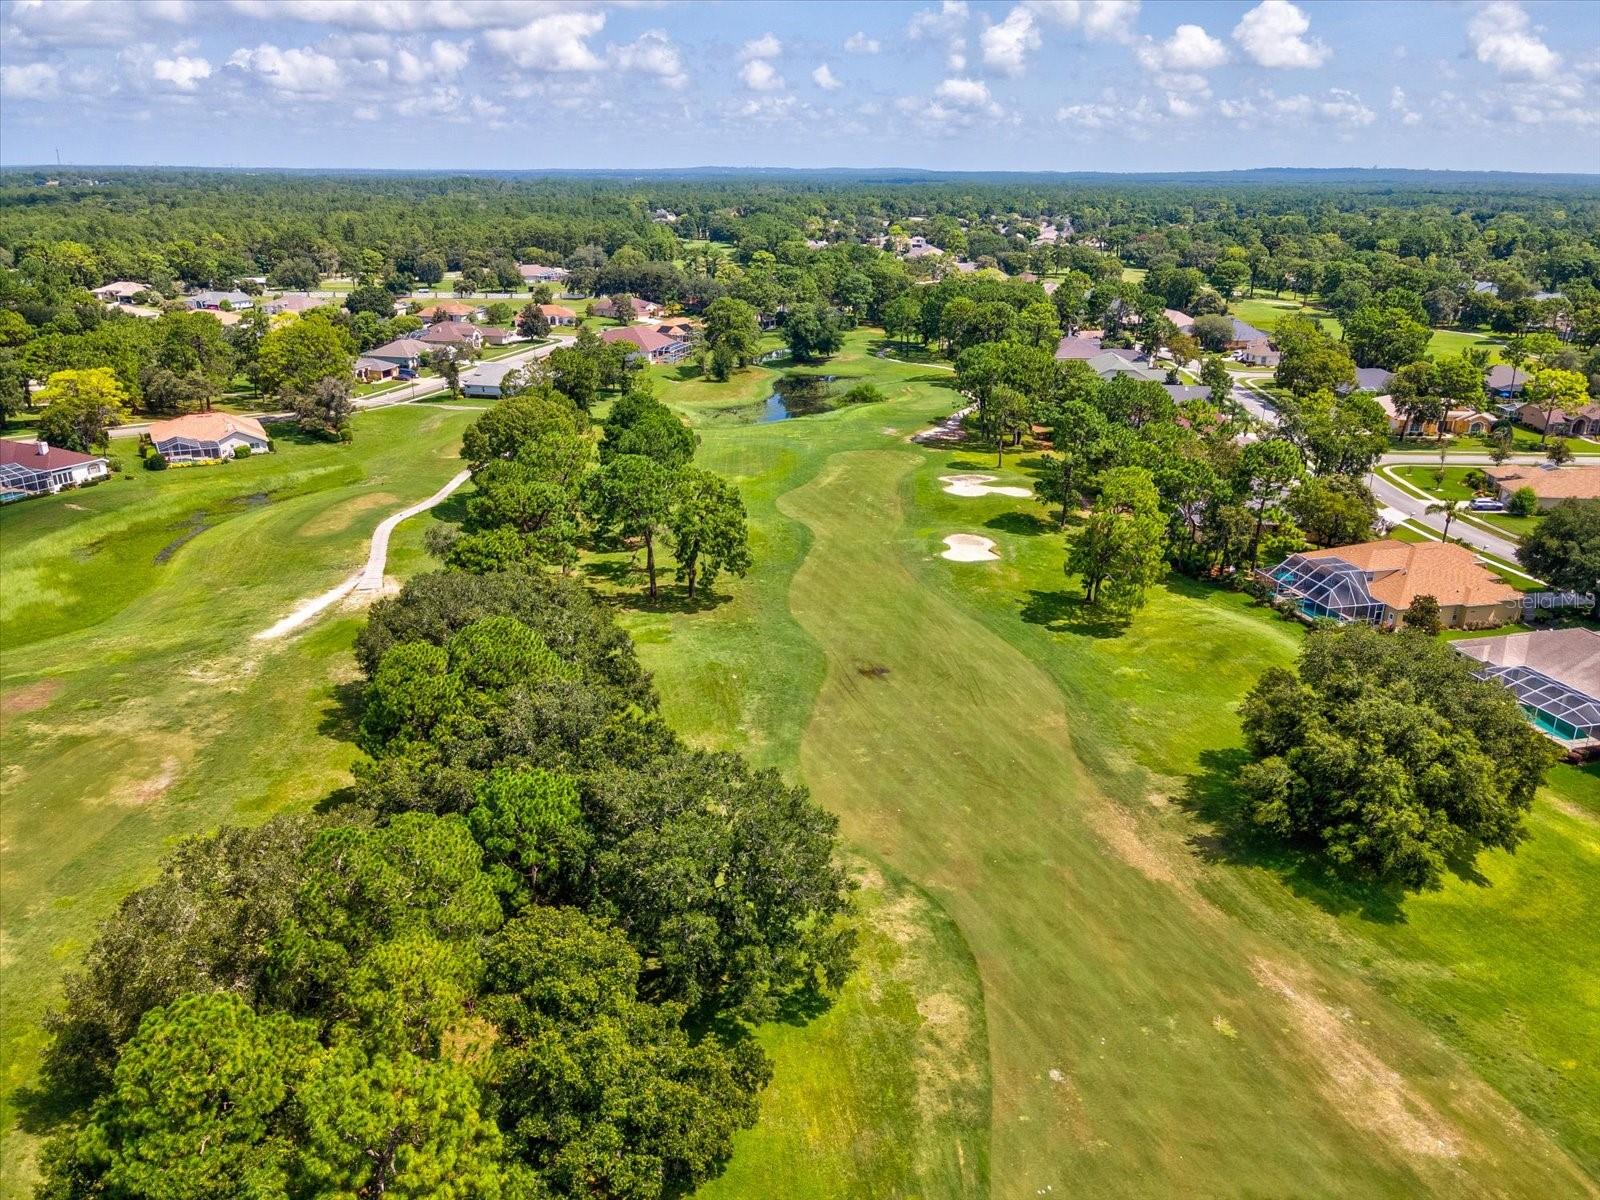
x,y
1449,508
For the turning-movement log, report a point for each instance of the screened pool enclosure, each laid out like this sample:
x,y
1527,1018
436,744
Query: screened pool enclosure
x,y
1556,708
1326,587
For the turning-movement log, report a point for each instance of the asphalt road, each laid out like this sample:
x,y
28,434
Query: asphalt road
x,y
417,389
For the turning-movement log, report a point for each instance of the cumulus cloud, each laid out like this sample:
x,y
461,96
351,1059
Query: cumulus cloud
x,y
398,16
825,79
1006,45
181,71
759,75
1344,107
967,93
556,42
1272,34
860,43
303,72
441,60
944,21
765,46
1502,36
1190,48
653,53
1401,107
1100,20
29,81
85,22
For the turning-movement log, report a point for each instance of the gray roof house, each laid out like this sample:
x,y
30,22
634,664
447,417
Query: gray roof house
x,y
489,379
1373,379
1109,363
1553,673
214,299
1244,333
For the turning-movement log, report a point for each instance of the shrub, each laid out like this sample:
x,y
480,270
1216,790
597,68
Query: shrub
x,y
1523,503
114,466
1478,481
155,463
241,451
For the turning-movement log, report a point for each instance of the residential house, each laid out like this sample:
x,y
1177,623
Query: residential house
x,y
489,380
1458,422
534,273
658,347
292,302
1376,582
459,335
1245,335
37,468
1504,381
405,353
1482,287
375,370
1555,676
607,307
1550,484
214,300
449,310
1182,393
678,327
495,335
1583,423
121,292
1110,363
1178,317
920,247
207,437
1373,379
1077,346
555,314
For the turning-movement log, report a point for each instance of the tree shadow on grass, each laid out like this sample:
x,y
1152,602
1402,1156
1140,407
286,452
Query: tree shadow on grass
x,y
342,718
1213,797
1020,523
629,580
1066,612
452,511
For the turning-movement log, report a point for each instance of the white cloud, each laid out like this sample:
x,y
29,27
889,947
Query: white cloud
x,y
556,42
1401,107
1502,36
759,75
442,60
956,59
1006,45
399,16
860,43
653,53
181,71
1272,34
1100,20
1182,107
1344,107
944,21
1190,48
968,93
765,46
29,81
825,79
301,72
85,22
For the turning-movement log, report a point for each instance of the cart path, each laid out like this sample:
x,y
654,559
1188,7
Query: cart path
x,y
370,577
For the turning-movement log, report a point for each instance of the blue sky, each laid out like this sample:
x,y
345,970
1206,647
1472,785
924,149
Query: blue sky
x,y
1032,85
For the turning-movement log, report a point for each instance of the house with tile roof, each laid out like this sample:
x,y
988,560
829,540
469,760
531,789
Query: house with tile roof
x,y
1376,582
449,310
36,468
406,353
207,437
1553,673
1551,485
658,347
1583,423
121,291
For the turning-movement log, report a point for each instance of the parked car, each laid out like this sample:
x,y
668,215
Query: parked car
x,y
1486,504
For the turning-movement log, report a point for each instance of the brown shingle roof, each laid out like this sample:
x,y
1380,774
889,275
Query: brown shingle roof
x,y
206,427
1402,571
53,459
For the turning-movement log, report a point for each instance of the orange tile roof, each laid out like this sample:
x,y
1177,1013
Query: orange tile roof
x,y
206,427
1567,483
1402,571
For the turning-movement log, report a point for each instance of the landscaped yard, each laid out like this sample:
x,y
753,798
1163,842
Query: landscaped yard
x,y
137,707
1455,488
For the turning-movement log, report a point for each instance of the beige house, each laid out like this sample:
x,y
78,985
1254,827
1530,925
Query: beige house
x,y
1551,484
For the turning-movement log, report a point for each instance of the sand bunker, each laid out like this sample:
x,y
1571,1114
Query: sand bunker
x,y
969,547
979,485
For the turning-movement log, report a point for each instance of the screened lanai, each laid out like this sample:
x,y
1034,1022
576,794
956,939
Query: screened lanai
x,y
1326,587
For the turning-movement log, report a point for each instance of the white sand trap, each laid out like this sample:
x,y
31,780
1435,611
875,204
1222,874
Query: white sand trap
x,y
979,485
969,547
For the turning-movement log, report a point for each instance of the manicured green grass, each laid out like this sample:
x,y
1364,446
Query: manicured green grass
x,y
138,709
1166,1012
1455,488
1265,312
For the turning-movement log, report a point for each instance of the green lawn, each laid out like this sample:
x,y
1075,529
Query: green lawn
x,y
1165,1013
1455,488
137,707
1264,312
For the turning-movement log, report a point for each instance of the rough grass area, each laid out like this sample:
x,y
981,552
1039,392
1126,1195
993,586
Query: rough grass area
x,y
138,710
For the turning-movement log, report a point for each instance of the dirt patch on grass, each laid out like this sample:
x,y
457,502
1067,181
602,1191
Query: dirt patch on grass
x,y
1369,1093
30,697
341,515
148,791
1120,831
